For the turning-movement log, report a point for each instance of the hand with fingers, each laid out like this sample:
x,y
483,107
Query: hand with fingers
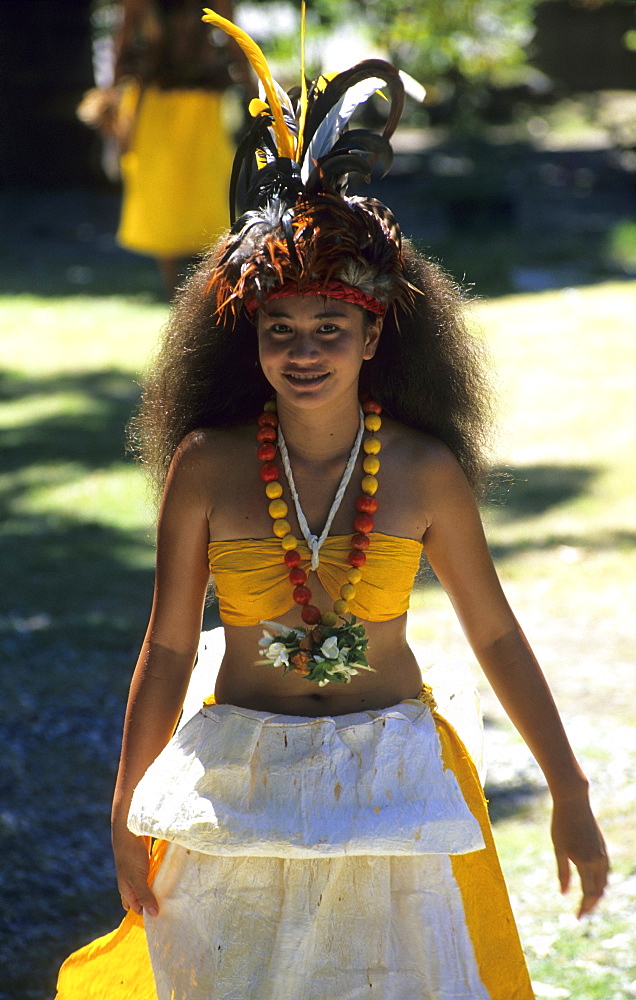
x,y
132,861
577,839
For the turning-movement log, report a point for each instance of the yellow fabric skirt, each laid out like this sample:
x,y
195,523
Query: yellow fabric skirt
x,y
176,172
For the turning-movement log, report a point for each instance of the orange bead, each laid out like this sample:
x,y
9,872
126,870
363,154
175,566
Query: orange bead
x,y
363,523
370,406
354,576
302,595
289,542
267,420
356,558
264,434
371,445
372,422
266,452
368,505
268,471
360,542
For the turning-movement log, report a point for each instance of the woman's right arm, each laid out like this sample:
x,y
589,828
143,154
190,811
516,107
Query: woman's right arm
x,y
162,673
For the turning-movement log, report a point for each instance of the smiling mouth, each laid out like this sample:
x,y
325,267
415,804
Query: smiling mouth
x,y
303,378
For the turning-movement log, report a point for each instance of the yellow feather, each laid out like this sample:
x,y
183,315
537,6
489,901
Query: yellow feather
x,y
257,107
303,82
284,140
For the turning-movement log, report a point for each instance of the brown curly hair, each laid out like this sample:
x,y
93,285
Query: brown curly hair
x,y
429,371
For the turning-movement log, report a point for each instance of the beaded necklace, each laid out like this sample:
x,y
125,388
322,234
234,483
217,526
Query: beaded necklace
x,y
325,651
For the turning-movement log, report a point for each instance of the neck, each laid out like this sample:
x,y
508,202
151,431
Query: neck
x,y
318,435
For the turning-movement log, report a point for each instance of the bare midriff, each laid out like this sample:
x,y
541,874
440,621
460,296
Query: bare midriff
x,y
244,681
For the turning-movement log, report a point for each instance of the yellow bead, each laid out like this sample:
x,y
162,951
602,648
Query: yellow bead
x,y
371,446
270,406
281,527
340,607
347,591
354,576
274,490
329,618
369,485
371,465
372,422
289,542
278,508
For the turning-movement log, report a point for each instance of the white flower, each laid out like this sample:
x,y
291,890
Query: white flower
x,y
337,667
266,641
279,653
330,648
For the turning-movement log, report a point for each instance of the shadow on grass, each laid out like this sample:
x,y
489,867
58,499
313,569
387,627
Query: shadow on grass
x,y
531,490
88,430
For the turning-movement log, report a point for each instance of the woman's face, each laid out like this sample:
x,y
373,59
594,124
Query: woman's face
x,y
311,347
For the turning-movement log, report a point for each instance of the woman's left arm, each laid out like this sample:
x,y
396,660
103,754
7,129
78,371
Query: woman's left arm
x,y
457,551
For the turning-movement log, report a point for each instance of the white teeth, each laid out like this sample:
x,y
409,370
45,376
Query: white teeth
x,y
305,378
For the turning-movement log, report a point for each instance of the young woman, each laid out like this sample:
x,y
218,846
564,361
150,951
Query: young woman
x,y
316,420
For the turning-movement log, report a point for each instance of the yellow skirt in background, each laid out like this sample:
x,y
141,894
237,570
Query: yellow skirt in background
x,y
176,173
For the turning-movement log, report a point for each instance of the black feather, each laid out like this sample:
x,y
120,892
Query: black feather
x,y
322,101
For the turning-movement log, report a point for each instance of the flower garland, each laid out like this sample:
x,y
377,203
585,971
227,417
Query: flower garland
x,y
325,651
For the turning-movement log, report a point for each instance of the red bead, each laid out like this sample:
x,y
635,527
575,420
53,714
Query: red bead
x,y
310,614
268,472
266,452
297,576
356,558
265,434
368,505
363,523
302,595
291,558
360,542
370,406
267,420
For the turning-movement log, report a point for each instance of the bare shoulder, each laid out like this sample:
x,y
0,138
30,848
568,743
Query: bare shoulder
x,y
207,456
424,459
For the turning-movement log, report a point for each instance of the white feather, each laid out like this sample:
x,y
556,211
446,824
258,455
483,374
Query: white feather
x,y
413,87
282,95
333,124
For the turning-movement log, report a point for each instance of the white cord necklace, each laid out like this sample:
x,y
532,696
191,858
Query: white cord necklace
x,y
313,541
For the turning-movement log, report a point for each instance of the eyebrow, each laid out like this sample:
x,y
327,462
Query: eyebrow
x,y
280,313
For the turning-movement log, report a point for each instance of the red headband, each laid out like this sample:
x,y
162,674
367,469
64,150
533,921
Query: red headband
x,y
329,289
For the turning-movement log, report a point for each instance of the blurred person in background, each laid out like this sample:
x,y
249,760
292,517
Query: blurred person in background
x,y
164,111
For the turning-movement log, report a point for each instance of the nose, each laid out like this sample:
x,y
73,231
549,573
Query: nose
x,y
304,346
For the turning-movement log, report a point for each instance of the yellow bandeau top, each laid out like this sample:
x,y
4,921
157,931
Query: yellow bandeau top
x,y
252,581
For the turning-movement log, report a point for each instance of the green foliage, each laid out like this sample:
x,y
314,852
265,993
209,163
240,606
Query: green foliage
x,y
481,39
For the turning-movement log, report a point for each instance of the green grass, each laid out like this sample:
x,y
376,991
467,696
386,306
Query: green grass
x,y
76,541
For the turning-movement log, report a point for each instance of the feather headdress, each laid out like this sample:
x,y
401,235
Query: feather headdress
x,y
297,223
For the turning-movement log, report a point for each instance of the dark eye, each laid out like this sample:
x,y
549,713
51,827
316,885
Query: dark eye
x,y
328,328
